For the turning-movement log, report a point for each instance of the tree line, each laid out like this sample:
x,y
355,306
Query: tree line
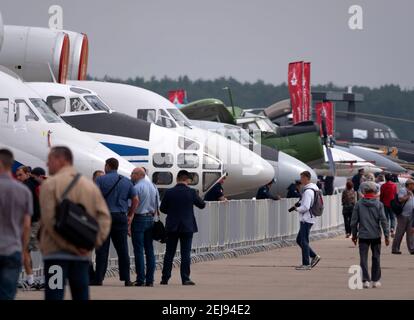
x,y
388,100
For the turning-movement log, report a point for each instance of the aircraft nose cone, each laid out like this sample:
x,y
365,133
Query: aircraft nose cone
x,y
289,170
250,174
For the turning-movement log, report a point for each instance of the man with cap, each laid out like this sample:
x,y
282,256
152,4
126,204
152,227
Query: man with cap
x,y
264,192
405,219
216,193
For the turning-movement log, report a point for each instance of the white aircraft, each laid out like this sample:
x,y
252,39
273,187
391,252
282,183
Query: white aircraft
x,y
246,170
346,164
162,152
286,167
29,128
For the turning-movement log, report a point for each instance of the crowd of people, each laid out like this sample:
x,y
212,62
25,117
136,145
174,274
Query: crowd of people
x,y
371,205
120,208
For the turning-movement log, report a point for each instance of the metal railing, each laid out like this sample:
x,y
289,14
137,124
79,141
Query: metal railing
x,y
244,223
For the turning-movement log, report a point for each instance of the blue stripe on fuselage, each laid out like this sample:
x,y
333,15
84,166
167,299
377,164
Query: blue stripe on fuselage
x,y
16,165
125,150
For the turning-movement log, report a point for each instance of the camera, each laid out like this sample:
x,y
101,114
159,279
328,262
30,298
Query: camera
x,y
297,204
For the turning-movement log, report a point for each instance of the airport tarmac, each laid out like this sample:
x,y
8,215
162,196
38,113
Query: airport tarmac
x,y
271,275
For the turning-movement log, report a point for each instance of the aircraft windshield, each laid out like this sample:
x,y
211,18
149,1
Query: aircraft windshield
x,y
266,125
96,103
45,110
179,117
237,134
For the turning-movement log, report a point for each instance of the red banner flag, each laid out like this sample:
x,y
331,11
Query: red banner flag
x,y
295,85
178,97
306,91
326,110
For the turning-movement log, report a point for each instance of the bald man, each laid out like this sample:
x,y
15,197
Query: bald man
x,y
141,224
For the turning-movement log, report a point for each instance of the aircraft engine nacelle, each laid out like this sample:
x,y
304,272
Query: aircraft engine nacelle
x,y
33,53
78,55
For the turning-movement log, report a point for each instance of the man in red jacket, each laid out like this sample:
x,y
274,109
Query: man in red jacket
x,y
388,192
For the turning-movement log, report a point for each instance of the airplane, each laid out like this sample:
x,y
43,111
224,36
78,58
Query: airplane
x,y
246,170
285,166
353,128
162,152
301,141
374,156
29,128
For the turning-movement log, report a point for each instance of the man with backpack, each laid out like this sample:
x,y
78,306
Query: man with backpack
x,y
65,260
309,207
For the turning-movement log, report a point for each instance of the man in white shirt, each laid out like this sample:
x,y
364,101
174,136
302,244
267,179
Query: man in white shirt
x,y
306,221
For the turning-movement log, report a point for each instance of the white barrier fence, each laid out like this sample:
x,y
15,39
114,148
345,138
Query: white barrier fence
x,y
238,223
242,223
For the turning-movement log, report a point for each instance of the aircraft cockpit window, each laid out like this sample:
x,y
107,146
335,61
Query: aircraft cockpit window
x,y
251,126
209,179
165,122
179,117
194,179
96,103
392,134
58,104
23,112
77,105
45,110
187,144
379,134
209,163
187,160
162,178
264,125
163,160
4,110
148,115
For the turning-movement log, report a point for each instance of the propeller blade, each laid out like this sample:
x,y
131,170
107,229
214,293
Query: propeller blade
x,y
331,162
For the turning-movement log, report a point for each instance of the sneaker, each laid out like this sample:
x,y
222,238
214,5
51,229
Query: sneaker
x,y
303,267
24,285
188,283
164,282
367,284
376,284
315,261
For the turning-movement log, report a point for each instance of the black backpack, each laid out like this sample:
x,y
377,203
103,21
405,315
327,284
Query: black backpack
x,y
396,205
73,223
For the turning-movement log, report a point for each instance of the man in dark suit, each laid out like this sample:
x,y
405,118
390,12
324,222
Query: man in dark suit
x,y
181,224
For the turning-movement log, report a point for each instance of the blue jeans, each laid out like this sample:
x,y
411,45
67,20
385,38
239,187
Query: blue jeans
x,y
76,271
390,217
141,235
119,236
186,239
303,241
10,267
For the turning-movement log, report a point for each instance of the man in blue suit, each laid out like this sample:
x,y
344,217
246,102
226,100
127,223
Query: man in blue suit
x,y
181,224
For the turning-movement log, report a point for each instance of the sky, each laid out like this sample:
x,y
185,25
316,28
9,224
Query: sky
x,y
244,39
